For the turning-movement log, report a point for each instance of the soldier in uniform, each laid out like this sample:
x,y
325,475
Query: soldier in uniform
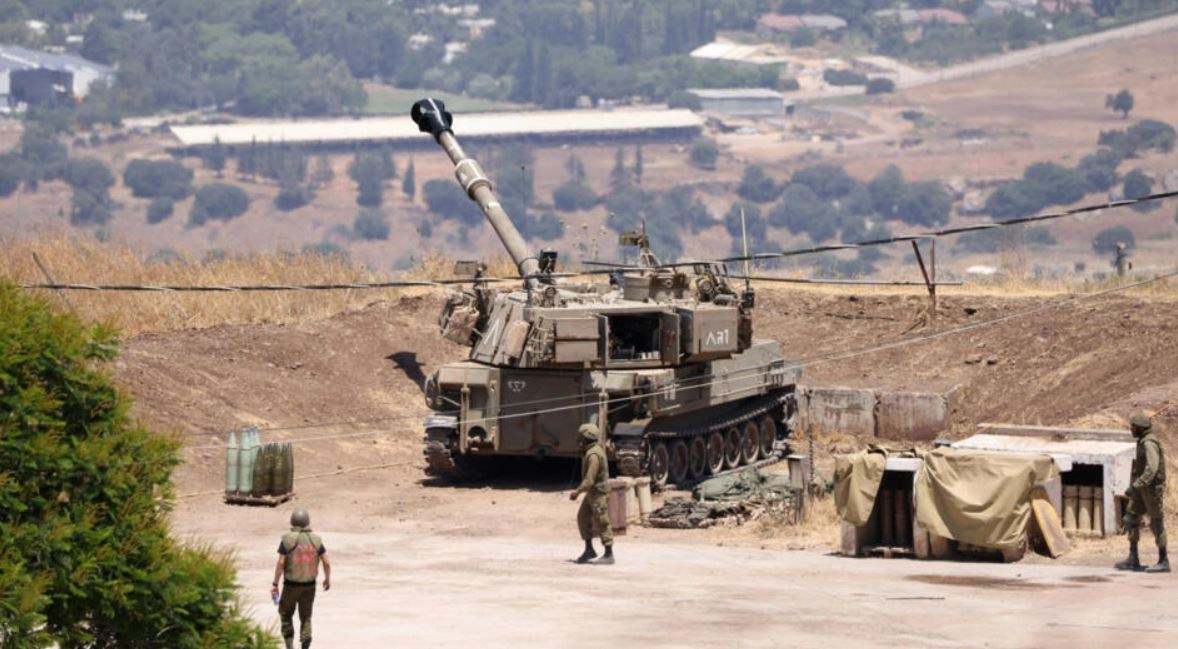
x,y
1145,495
593,517
299,555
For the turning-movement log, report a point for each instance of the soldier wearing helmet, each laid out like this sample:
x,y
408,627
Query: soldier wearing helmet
x,y
1145,495
592,517
299,555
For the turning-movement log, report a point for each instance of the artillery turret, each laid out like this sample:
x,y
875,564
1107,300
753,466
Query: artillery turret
x,y
663,358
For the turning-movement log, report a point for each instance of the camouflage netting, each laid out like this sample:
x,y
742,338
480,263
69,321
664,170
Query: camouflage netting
x,y
737,498
747,486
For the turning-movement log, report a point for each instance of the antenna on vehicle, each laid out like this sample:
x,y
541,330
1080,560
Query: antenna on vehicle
x,y
744,237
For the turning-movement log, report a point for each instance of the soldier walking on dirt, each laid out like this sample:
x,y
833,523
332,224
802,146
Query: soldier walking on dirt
x,y
1145,495
299,554
592,517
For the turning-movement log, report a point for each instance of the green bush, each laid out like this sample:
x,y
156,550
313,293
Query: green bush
x,y
218,201
371,225
573,195
704,153
1100,169
1137,184
158,179
160,210
292,196
446,199
683,99
880,86
84,495
843,77
757,186
1107,239
829,181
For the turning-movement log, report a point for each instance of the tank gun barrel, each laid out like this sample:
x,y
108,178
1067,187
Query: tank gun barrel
x,y
431,117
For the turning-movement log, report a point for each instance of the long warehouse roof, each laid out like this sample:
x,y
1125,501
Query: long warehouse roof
x,y
468,125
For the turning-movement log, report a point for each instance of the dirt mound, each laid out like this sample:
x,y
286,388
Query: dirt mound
x,y
358,374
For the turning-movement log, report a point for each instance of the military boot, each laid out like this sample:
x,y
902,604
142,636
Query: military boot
x,y
1132,562
608,559
289,641
589,554
306,644
1163,564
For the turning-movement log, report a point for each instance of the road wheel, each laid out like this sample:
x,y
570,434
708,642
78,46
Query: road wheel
x,y
698,458
715,446
750,448
659,462
732,445
768,435
679,461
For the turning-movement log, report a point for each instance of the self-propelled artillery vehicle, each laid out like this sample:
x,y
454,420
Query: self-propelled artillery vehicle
x,y
662,357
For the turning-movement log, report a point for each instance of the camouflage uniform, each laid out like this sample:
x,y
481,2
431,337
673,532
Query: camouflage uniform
x,y
1146,495
593,515
303,551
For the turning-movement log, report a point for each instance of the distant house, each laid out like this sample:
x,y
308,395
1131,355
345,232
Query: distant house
x,y
994,8
780,23
1067,6
940,14
39,78
738,54
742,102
902,16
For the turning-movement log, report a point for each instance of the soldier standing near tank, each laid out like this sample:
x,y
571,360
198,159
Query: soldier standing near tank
x,y
299,555
1145,495
593,516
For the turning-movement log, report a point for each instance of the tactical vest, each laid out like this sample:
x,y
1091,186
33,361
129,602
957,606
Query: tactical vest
x,y
1139,463
302,557
601,480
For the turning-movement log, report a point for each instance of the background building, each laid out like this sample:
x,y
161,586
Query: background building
x,y
44,78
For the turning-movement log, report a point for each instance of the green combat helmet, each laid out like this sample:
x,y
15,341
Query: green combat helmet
x,y
1139,423
588,432
300,518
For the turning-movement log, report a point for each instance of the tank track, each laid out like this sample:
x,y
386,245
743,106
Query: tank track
x,y
631,454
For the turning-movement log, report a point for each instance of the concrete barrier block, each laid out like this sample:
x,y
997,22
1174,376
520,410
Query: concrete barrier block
x,y
914,416
843,410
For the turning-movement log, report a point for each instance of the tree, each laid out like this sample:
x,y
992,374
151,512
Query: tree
x,y
638,163
1100,169
446,199
1106,240
90,179
87,560
925,203
1053,184
570,196
757,186
619,176
218,201
323,173
1122,103
754,222
409,182
880,86
371,225
802,211
1137,184
684,99
829,181
158,178
293,195
43,154
159,210
704,153
12,172
214,157
426,229
1011,201
887,189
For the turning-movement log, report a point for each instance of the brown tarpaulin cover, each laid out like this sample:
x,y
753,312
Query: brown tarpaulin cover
x,y
856,481
979,498
973,497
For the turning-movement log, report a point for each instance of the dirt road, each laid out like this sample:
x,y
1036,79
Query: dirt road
x,y
476,574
